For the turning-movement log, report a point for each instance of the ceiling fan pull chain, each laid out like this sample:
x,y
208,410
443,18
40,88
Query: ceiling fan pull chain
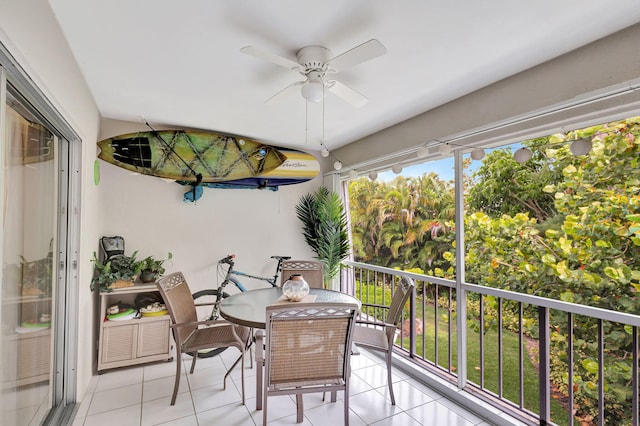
x,y
306,122
323,101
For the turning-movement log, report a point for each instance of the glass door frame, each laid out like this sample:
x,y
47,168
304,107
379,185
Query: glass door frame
x,y
69,153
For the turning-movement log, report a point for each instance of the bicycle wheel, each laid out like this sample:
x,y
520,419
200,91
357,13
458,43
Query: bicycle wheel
x,y
205,313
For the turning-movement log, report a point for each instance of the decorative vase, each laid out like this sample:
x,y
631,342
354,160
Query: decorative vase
x,y
295,288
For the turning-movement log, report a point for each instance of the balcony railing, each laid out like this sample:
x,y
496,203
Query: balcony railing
x,y
496,344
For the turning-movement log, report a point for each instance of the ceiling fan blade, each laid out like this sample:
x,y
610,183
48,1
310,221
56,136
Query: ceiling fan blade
x,y
283,93
367,50
347,94
271,57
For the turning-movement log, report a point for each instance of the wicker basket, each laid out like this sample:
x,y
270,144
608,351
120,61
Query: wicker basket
x,y
121,284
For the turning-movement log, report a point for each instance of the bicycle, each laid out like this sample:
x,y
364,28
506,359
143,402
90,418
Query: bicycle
x,y
207,301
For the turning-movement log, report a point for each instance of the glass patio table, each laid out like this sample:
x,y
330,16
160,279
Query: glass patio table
x,y
249,308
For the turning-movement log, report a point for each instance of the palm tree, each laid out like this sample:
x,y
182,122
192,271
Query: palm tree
x,y
401,223
325,228
363,194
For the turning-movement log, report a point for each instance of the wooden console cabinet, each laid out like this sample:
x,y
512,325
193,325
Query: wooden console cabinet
x,y
134,341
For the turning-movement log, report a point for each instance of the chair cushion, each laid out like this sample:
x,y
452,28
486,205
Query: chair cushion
x,y
216,336
374,337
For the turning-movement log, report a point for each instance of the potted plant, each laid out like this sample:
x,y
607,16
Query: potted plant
x,y
151,268
37,276
324,226
116,272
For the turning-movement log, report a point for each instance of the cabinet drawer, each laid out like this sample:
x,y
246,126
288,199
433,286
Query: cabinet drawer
x,y
153,338
119,343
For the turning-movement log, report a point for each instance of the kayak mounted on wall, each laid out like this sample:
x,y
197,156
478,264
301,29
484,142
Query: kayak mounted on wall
x,y
208,159
182,155
298,167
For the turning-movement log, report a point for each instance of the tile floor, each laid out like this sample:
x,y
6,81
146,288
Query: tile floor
x,y
141,396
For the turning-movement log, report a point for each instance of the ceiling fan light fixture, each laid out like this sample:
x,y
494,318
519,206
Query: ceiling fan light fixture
x,y
313,91
316,63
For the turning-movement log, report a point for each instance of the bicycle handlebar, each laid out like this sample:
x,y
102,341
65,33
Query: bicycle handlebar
x,y
228,259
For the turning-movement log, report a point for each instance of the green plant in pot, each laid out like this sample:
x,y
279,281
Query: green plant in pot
x,y
116,272
152,268
324,226
37,275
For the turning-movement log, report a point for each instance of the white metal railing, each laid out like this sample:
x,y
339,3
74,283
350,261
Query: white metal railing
x,y
437,297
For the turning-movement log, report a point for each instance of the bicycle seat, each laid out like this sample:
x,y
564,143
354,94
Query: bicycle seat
x,y
281,257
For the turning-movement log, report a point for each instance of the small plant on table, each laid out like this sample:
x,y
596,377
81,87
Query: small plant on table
x,y
116,272
152,268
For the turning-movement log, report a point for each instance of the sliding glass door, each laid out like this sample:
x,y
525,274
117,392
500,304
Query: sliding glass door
x,y
29,198
32,282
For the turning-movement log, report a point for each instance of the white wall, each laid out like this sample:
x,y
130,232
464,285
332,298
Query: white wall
x,y
150,214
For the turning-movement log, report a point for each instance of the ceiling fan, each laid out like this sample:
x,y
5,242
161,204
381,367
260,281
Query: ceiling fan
x,y
315,64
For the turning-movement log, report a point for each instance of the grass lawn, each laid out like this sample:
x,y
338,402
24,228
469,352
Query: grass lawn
x,y
510,360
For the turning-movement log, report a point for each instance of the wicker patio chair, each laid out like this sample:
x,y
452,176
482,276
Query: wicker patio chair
x,y
380,335
311,270
308,350
192,335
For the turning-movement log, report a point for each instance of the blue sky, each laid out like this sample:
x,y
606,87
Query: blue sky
x,y
443,167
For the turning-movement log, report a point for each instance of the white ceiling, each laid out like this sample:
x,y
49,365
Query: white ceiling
x,y
179,63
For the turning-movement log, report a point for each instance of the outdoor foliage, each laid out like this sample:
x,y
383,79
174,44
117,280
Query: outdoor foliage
x,y
559,226
401,223
508,187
